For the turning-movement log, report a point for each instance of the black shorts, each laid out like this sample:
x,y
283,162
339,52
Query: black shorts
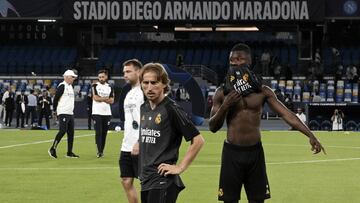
x,y
243,165
128,165
166,195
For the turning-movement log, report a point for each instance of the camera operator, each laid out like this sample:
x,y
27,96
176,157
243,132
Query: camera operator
x,y
337,120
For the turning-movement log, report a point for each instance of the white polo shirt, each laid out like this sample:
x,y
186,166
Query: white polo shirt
x,y
102,90
64,100
132,103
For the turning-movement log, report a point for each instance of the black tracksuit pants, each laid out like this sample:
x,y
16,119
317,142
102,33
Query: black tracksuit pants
x,y
101,125
66,125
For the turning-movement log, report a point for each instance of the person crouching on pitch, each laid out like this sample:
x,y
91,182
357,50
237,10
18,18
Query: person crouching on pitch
x,y
64,102
103,96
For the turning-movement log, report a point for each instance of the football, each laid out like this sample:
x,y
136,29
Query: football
x,y
117,128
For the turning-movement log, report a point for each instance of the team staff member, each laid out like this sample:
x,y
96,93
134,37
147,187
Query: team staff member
x,y
64,102
162,126
21,105
241,101
31,108
128,161
44,104
103,96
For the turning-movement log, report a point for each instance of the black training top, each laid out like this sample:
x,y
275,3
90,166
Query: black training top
x,y
161,132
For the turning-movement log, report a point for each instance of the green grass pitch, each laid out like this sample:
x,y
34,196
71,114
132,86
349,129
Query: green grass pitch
x,y
28,174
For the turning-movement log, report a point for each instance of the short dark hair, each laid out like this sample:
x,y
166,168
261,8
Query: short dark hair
x,y
241,47
135,62
103,71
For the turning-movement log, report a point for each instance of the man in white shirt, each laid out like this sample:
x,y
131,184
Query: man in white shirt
x,y
63,104
4,97
301,115
129,154
31,108
103,96
337,120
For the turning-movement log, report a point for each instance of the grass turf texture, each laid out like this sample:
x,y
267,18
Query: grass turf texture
x,y
28,174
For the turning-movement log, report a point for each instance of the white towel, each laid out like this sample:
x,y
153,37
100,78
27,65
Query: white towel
x,y
23,107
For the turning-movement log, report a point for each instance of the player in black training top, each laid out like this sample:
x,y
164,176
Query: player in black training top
x,y
163,124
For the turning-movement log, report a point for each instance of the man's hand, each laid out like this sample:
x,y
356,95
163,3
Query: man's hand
x,y
316,146
167,169
232,98
135,150
104,99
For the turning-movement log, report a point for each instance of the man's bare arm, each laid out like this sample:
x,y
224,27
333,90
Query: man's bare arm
x,y
291,119
97,97
220,107
110,100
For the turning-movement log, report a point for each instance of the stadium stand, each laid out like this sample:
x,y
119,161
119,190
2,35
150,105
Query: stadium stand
x,y
22,60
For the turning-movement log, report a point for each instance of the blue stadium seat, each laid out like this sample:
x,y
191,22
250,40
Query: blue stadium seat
x,y
138,53
120,54
172,56
117,68
47,67
215,57
163,56
12,66
72,54
197,58
145,55
12,53
38,67
3,66
129,54
206,56
155,54
56,67
3,53
111,57
188,57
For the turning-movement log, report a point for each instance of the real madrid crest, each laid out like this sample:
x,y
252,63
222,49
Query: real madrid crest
x,y
158,119
232,78
221,192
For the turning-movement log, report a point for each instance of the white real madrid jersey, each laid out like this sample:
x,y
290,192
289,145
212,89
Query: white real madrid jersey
x,y
102,90
66,102
132,103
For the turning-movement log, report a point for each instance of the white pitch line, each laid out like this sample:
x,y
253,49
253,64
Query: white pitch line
x,y
193,166
294,145
60,168
312,161
288,162
40,142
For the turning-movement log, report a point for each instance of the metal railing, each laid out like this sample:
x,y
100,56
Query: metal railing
x,y
202,71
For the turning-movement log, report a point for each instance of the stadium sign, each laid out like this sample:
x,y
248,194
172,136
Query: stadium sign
x,y
225,11
29,31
